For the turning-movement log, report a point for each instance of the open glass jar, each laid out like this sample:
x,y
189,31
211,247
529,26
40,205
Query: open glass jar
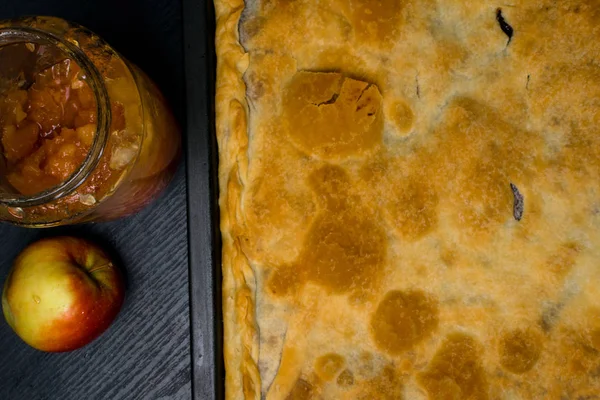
x,y
84,134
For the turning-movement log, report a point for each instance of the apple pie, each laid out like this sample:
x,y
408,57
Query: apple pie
x,y
410,198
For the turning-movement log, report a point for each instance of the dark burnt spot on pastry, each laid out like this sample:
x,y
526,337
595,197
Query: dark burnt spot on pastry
x,y
345,378
456,371
506,28
368,100
330,101
518,202
329,365
387,385
528,80
345,248
331,116
403,319
520,350
302,390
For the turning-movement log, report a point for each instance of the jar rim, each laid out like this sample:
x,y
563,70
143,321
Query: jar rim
x,y
24,34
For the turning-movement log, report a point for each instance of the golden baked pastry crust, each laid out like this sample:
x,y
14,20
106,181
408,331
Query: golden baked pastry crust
x,y
371,154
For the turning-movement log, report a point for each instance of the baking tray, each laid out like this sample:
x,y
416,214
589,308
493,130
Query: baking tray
x,y
203,212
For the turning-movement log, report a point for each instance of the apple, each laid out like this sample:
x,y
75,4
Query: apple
x,y
62,293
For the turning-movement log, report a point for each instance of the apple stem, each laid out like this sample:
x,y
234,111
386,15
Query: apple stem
x,y
107,265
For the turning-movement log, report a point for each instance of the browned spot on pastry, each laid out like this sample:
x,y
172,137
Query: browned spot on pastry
x,y
343,252
554,271
402,116
346,378
255,87
448,55
345,248
595,338
414,207
327,366
550,315
377,21
587,394
592,331
285,280
250,27
561,262
344,60
366,364
374,173
331,116
455,372
264,75
274,201
570,112
248,386
520,350
297,25
575,361
302,390
331,185
535,22
385,386
408,190
449,256
492,153
403,319
488,200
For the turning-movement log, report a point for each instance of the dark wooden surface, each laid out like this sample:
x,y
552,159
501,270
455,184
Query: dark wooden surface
x,y
145,354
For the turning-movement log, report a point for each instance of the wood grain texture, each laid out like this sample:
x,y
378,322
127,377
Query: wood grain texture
x,y
145,354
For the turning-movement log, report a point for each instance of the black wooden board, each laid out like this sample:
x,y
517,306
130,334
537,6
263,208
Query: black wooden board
x,y
145,354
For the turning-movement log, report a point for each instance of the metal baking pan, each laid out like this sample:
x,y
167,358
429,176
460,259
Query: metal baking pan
x,y
203,213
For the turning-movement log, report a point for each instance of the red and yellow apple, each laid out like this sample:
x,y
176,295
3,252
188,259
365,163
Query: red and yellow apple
x,y
62,293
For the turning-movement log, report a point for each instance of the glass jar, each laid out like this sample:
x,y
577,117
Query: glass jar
x,y
85,134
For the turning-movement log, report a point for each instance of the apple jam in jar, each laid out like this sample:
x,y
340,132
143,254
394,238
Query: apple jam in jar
x,y
84,134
